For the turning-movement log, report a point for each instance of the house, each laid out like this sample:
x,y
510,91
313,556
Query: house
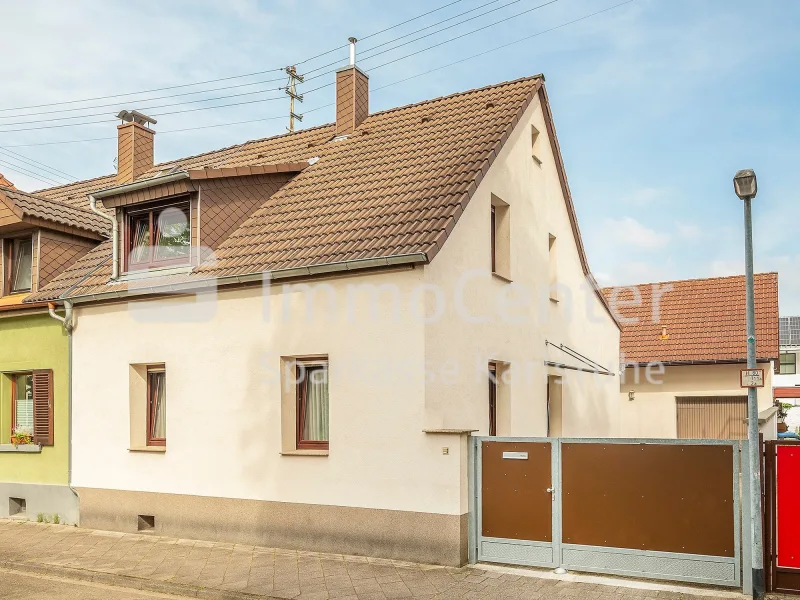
x,y
39,238
683,346
288,342
787,380
788,375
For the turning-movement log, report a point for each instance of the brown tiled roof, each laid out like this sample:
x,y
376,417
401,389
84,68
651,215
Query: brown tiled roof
x,y
396,186
6,183
704,319
30,205
286,148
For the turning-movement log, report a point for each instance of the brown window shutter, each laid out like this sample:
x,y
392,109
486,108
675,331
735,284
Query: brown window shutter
x,y
43,407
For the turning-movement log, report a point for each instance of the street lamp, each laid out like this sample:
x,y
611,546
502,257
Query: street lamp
x,y
746,186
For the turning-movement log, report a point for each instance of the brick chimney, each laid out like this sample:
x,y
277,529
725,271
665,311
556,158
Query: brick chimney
x,y
352,95
134,146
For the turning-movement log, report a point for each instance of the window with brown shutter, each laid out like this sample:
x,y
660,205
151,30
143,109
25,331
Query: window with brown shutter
x,y
43,407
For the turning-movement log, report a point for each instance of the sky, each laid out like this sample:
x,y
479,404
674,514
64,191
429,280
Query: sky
x,y
657,103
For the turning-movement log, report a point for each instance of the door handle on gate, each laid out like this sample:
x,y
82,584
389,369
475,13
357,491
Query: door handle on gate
x,y
551,490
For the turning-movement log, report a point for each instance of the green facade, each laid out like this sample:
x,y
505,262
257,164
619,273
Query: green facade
x,y
29,342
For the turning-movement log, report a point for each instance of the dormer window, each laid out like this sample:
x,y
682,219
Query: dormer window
x,y
21,256
158,236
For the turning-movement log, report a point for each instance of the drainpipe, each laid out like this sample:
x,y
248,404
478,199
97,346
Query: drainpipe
x,y
114,236
66,320
67,323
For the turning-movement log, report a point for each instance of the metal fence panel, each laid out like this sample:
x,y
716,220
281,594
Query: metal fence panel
x,y
663,509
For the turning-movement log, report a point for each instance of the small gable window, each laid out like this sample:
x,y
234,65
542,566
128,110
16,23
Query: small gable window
x,y
21,265
158,236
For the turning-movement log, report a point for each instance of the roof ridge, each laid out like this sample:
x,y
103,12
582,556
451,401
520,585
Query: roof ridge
x,y
242,145
66,185
456,94
691,280
58,203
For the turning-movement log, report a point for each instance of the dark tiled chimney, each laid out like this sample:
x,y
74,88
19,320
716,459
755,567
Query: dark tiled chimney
x,y
134,146
352,95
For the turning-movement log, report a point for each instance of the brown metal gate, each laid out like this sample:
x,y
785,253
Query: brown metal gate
x,y
516,522
663,509
782,516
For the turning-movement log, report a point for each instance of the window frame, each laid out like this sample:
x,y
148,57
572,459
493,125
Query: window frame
x,y
14,399
492,398
493,224
792,364
10,259
307,367
152,441
152,209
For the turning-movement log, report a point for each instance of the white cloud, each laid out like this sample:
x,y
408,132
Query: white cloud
x,y
631,232
723,268
644,196
689,231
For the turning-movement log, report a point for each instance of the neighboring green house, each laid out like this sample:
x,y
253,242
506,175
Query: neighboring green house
x,y
39,239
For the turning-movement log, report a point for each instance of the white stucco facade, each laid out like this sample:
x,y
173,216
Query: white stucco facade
x,y
652,413
788,379
402,370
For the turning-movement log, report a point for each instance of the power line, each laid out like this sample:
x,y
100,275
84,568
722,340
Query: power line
x,y
35,163
41,126
36,176
116,104
217,80
480,54
31,166
458,37
485,4
374,90
149,108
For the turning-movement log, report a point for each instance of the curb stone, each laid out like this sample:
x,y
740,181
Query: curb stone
x,y
128,582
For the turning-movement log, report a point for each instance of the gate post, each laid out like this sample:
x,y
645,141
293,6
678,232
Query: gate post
x,y
557,483
747,534
472,492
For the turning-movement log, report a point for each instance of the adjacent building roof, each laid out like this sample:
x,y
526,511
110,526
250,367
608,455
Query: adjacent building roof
x,y
27,206
394,188
696,320
5,182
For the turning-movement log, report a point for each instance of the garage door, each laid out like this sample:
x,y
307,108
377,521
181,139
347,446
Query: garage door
x,y
712,417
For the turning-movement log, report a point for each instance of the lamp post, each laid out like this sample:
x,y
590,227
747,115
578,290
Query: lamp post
x,y
746,186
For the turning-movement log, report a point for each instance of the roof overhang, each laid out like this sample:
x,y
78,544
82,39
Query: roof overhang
x,y
689,363
139,185
200,174
287,167
199,284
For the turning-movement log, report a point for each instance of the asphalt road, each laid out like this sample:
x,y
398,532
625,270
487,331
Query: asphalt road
x,y
19,586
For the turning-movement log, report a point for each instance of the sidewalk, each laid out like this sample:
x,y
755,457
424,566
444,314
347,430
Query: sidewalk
x,y
231,571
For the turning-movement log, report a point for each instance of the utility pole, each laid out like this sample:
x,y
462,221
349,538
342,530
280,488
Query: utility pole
x,y
291,91
746,187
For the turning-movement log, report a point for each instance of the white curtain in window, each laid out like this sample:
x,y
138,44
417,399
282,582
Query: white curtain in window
x,y
23,261
158,390
172,234
23,417
141,241
316,417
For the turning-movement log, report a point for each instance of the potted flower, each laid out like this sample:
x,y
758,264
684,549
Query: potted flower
x,y
21,438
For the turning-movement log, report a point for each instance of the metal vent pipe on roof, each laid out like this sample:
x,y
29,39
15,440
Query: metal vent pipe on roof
x,y
352,41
